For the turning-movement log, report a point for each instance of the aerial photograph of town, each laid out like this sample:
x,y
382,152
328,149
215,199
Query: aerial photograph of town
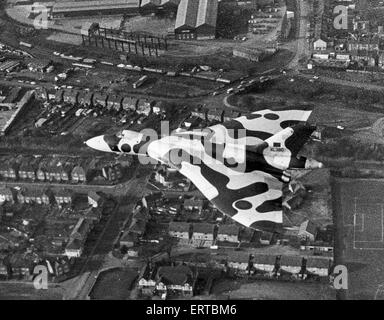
x,y
219,150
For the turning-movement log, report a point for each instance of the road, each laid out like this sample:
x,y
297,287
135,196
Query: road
x,y
341,82
302,46
99,257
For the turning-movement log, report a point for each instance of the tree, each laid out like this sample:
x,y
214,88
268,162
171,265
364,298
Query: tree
x,y
124,250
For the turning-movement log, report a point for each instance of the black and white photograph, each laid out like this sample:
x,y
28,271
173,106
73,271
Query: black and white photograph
x,y
188,156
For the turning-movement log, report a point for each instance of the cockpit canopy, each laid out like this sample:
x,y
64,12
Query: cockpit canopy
x,y
129,135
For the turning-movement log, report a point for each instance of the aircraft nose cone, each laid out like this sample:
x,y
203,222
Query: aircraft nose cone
x,y
98,143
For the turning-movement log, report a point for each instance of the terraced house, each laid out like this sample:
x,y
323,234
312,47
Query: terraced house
x,y
6,195
64,197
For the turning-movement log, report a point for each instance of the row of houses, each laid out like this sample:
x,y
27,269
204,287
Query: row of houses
x,y
59,237
180,280
20,106
40,65
135,231
66,237
171,179
60,169
30,196
267,266
18,266
213,114
204,234
78,237
46,197
108,101
9,65
166,281
276,265
361,39
368,50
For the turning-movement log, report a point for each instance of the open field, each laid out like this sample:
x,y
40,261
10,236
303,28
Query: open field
x,y
26,291
272,290
65,38
80,23
149,25
358,211
327,109
113,285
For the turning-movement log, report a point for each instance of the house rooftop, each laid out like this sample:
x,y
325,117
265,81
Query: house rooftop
x,y
81,227
63,193
129,236
229,229
203,228
69,6
94,195
178,275
286,260
74,245
308,226
194,203
40,63
179,226
137,226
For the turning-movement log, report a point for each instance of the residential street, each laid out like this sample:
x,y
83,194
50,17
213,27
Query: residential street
x,y
100,258
302,46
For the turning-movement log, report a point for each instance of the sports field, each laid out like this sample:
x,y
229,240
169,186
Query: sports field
x,y
358,208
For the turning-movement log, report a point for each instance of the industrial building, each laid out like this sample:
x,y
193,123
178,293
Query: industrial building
x,y
159,6
196,19
96,7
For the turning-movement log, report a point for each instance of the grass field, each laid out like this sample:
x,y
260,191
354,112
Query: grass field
x,y
113,285
358,208
26,291
272,290
71,39
150,25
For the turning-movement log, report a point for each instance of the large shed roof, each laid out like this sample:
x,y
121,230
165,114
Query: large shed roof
x,y
187,13
69,6
207,13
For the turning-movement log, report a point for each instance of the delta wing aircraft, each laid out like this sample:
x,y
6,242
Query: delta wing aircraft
x,y
240,165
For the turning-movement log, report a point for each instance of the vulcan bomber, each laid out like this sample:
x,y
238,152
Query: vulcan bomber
x,y
240,166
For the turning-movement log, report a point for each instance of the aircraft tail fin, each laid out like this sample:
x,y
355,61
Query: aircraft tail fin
x,y
292,138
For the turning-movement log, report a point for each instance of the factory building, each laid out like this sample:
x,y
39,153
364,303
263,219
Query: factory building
x,y
149,6
169,5
196,20
159,6
96,7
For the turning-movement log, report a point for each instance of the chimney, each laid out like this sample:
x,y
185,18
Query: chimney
x,y
303,267
277,265
250,263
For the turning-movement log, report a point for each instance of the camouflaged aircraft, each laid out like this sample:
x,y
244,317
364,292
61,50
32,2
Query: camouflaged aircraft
x,y
240,165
